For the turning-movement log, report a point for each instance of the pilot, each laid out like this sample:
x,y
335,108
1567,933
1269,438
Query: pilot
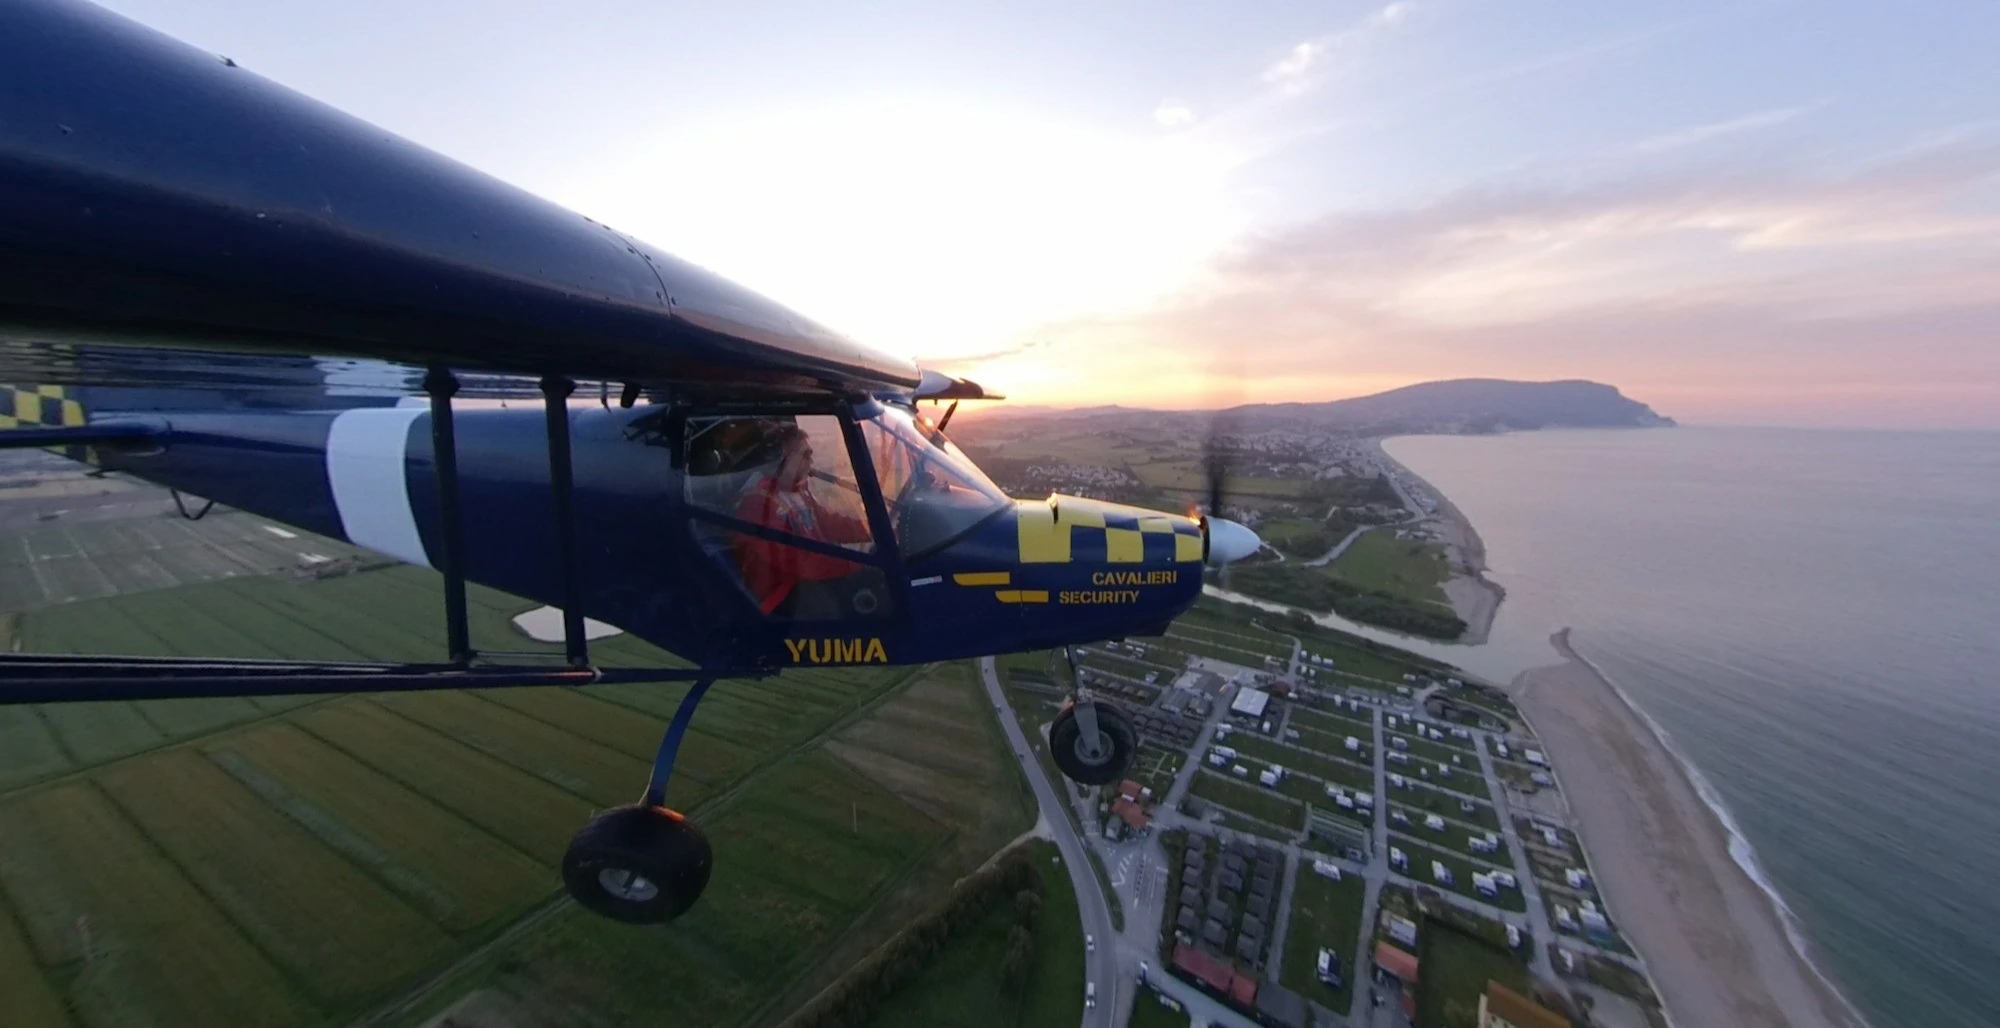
x,y
787,580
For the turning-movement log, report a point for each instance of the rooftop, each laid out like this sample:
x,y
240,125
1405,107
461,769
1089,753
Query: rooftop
x,y
1503,1006
1396,962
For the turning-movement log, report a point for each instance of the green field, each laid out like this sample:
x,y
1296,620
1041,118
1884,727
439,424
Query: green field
x,y
322,860
1263,752
1242,637
1466,776
1253,800
962,985
1408,569
1456,968
1336,722
1422,851
1335,742
1420,796
1324,914
1455,838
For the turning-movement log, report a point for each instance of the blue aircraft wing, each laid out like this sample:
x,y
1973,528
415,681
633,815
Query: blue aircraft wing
x,y
154,195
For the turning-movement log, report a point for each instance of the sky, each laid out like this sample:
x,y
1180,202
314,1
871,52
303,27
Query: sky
x,y
1781,212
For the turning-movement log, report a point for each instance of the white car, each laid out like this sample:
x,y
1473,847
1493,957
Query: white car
x,y
1089,994
1090,944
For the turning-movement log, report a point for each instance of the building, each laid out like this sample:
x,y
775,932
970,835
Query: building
x,y
1201,970
1250,703
1502,1007
1396,964
1134,815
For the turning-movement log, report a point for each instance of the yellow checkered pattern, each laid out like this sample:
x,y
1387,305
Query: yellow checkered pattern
x,y
38,405
1047,531
48,406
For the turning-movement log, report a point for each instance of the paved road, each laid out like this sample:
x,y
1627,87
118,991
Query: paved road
x,y
1100,966
1538,913
1339,548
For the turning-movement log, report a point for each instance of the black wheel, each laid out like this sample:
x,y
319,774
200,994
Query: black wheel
x,y
639,864
1117,745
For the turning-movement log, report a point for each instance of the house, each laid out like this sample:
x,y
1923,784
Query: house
x,y
1401,929
1134,815
1396,964
1502,1007
1202,970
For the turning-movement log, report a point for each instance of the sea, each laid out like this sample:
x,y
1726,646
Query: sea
x,y
1812,620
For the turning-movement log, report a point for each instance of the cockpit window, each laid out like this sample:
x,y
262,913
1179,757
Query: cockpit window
x,y
934,492
790,476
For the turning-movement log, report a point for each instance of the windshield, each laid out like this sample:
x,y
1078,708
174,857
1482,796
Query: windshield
x,y
933,490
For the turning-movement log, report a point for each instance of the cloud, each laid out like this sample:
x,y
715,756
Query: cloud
x,y
1291,71
1708,292
1295,71
1172,114
1697,134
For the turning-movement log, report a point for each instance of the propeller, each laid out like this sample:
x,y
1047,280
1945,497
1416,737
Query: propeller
x,y
1228,541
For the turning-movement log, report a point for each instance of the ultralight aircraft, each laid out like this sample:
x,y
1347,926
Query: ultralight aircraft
x,y
220,286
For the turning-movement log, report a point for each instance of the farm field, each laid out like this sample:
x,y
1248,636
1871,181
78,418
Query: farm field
x,y
313,861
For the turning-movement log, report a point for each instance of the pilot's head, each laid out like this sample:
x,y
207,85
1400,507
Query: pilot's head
x,y
796,454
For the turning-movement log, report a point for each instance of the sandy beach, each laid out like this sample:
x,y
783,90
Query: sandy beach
x,y
1474,597
1713,941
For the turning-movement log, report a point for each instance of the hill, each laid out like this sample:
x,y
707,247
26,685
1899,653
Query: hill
x,y
1464,405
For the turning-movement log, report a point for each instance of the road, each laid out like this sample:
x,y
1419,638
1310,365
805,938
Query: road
x,y
1334,554
1114,990
1138,870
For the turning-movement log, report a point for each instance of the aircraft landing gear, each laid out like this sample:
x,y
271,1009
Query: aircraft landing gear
x,y
643,863
638,864
1093,744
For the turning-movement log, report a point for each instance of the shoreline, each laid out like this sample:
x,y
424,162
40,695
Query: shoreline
x,y
1474,598
1718,943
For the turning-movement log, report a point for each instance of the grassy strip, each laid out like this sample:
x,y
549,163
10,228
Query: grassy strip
x,y
1324,914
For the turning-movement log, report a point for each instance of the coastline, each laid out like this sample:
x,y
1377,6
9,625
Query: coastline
x,y
1719,946
1474,597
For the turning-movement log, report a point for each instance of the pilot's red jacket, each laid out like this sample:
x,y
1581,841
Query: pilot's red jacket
x,y
773,569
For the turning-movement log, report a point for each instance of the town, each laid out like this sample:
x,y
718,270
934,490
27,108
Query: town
x,y
1322,831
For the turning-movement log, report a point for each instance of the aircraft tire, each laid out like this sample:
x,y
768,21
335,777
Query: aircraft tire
x,y
638,864
1122,744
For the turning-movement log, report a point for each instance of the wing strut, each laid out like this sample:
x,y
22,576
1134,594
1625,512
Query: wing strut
x,y
555,400
442,386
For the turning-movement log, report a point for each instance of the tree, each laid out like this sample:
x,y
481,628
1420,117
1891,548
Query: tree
x,y
1027,908
1019,958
